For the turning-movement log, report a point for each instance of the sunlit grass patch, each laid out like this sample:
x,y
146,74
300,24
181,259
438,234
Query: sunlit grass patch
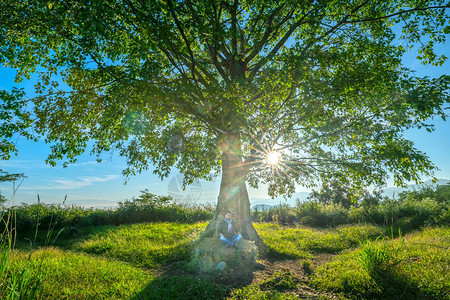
x,y
70,275
303,242
414,266
427,261
144,244
15,283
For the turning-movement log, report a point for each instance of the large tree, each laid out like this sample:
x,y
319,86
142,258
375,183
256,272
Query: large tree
x,y
273,92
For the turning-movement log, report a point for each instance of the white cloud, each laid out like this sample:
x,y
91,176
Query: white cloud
x,y
83,163
70,184
18,163
37,164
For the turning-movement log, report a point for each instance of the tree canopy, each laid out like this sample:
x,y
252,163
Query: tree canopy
x,y
179,83
14,120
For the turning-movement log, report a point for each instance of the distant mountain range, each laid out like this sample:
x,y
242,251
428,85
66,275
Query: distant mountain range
x,y
265,203
292,201
394,191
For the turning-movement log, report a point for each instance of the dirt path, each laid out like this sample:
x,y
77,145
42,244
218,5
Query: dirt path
x,y
297,269
270,269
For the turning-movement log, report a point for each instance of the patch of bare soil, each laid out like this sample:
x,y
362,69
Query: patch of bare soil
x,y
295,266
298,270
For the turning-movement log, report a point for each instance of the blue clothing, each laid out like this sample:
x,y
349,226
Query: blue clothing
x,y
231,241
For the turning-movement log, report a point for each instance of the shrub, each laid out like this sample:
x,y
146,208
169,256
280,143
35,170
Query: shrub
x,y
283,214
406,215
440,193
313,213
3,200
145,208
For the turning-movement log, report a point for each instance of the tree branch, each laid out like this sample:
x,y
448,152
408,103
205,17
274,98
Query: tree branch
x,y
257,48
234,25
277,47
398,13
334,28
185,39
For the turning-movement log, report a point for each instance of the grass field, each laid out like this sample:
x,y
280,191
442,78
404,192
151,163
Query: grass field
x,y
144,245
303,242
148,261
413,267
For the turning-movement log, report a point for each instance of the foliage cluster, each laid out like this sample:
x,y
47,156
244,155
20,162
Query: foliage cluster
x,y
145,208
187,83
14,119
411,210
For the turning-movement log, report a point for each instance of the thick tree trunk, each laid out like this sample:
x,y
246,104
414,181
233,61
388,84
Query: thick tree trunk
x,y
233,194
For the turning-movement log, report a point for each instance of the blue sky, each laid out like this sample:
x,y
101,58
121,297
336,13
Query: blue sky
x,y
89,183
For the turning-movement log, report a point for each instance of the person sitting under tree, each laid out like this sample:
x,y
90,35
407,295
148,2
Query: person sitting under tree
x,y
228,234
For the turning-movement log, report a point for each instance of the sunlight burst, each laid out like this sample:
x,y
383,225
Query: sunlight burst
x,y
273,158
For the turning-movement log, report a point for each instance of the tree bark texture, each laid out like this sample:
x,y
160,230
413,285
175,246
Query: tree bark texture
x,y
233,194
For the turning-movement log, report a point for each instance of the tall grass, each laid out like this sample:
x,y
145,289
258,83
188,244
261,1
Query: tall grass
x,y
15,283
409,212
380,257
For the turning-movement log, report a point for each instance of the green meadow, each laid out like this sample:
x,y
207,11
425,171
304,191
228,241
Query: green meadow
x,y
326,96
151,261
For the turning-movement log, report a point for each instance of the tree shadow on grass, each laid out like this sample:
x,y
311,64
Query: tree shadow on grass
x,y
203,274
273,254
179,280
278,286
63,238
182,287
